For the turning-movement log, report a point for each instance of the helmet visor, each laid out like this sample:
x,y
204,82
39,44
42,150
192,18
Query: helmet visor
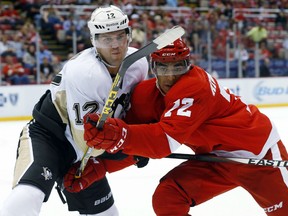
x,y
170,69
110,40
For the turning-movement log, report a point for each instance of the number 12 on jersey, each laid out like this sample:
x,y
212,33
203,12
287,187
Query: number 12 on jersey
x,y
182,106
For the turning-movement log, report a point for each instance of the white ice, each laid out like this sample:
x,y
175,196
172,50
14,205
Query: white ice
x,y
133,187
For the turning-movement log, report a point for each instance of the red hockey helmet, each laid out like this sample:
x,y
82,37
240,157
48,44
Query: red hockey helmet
x,y
178,51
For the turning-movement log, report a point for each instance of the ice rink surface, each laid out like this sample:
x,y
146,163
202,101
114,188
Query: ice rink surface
x,y
133,187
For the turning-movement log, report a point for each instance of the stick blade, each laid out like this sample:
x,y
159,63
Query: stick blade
x,y
169,36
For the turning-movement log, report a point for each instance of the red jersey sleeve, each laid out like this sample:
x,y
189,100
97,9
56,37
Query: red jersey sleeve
x,y
115,165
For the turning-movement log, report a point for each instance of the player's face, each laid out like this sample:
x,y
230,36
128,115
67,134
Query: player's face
x,y
168,74
113,46
166,82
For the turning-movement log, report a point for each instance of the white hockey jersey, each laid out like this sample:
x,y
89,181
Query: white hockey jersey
x,y
83,86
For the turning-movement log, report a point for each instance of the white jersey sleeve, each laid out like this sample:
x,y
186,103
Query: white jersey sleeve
x,y
82,86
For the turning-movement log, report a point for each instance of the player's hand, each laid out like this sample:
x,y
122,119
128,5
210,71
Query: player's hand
x,y
112,137
93,172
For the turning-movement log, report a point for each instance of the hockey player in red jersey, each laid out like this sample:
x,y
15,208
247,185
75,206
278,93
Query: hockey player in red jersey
x,y
185,105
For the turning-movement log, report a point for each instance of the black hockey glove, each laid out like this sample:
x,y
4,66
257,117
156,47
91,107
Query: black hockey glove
x,y
142,161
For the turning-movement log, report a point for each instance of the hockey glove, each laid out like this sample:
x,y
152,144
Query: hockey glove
x,y
93,172
141,161
112,137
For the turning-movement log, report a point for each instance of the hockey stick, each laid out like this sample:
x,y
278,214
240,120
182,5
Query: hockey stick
x,y
163,40
211,158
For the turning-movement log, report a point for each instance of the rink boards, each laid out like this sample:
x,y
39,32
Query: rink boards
x,y
17,102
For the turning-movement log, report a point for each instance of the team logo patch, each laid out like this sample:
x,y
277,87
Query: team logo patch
x,y
47,174
13,99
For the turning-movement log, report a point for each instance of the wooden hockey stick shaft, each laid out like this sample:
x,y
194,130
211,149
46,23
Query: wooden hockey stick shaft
x,y
163,40
212,158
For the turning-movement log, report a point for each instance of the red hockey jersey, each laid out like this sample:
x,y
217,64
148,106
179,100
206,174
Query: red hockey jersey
x,y
199,113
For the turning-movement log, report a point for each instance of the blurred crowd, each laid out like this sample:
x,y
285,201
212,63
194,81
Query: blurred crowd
x,y
215,20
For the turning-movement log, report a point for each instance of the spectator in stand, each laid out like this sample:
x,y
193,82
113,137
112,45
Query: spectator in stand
x,y
33,11
242,54
69,36
78,23
264,68
241,22
50,20
16,45
11,16
44,53
285,46
86,37
57,64
281,20
228,10
68,22
3,43
46,71
258,33
219,43
5,46
160,26
265,56
138,36
14,72
29,59
134,19
28,32
264,51
195,29
222,23
212,17
4,18
149,24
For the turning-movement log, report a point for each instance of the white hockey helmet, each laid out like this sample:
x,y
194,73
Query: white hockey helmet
x,y
107,19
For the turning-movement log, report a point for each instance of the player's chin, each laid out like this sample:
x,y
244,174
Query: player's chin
x,y
117,59
166,88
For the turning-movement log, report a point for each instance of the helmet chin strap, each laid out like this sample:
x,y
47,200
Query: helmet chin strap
x,y
104,62
159,88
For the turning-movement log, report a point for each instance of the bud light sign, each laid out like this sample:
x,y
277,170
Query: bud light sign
x,y
273,91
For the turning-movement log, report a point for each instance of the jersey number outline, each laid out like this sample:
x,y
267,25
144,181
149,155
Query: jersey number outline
x,y
182,106
91,106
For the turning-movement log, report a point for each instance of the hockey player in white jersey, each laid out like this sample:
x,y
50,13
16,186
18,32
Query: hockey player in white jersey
x,y
52,142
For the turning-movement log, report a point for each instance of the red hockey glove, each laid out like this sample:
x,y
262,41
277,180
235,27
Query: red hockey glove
x,y
93,172
112,137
